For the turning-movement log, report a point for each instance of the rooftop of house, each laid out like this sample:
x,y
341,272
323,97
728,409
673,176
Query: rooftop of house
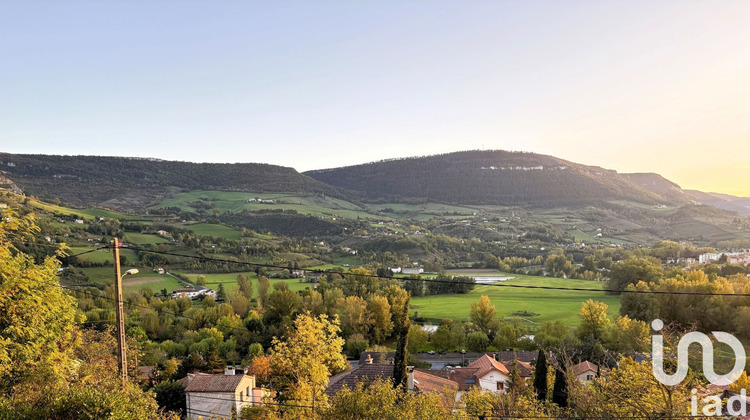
x,y
204,382
486,364
524,369
363,372
424,381
583,367
465,378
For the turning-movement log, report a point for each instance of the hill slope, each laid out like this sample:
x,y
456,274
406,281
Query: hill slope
x,y
132,183
486,177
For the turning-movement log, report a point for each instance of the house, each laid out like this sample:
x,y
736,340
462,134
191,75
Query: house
x,y
160,270
417,380
218,396
190,293
491,374
412,270
525,370
585,371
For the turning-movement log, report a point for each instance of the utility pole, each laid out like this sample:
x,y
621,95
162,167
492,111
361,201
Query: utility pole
x,y
122,361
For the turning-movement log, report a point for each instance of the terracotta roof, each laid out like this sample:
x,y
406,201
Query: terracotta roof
x,y
426,382
524,369
365,372
203,382
464,377
583,367
485,364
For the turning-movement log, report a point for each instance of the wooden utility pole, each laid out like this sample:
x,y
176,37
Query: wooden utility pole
x,y
122,361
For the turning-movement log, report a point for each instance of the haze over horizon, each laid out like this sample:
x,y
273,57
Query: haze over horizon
x,y
635,87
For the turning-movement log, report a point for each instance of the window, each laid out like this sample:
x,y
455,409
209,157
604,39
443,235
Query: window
x,y
247,391
500,386
241,396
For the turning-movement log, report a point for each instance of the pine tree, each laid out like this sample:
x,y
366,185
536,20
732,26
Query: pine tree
x,y
560,389
540,376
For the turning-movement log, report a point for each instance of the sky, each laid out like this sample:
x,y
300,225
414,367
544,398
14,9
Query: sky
x,y
635,86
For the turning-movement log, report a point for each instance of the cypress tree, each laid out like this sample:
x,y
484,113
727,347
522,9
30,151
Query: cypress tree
x,y
401,356
540,376
560,390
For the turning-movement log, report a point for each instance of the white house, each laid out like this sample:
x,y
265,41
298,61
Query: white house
x,y
190,293
584,372
218,396
412,270
491,375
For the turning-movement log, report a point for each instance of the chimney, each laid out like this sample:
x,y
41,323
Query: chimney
x,y
246,370
410,378
229,371
494,355
369,359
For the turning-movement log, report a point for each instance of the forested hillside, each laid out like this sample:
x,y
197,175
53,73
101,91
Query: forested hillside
x,y
486,177
130,183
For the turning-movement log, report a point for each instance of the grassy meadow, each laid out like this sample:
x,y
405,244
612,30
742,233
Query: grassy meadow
x,y
550,305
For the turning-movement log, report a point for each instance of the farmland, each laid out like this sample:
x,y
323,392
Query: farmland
x,y
550,305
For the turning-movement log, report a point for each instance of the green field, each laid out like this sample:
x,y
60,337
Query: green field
x,y
551,305
224,201
82,213
216,231
143,239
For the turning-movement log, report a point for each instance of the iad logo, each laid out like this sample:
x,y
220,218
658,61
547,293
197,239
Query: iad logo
x,y
657,353
657,363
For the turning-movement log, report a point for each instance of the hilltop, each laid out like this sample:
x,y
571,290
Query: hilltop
x,y
133,183
488,177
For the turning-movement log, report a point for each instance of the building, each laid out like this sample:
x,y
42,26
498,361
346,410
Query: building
x,y
190,293
218,396
412,270
417,380
585,371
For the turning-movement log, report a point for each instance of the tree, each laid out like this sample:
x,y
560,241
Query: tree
x,y
379,315
402,354
221,294
506,337
245,285
200,280
633,270
560,389
170,395
643,306
449,335
594,321
551,334
263,286
477,341
540,376
483,315
302,362
36,316
628,335
417,338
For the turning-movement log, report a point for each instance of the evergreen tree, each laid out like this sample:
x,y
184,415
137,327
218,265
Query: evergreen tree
x,y
401,356
221,294
540,376
560,389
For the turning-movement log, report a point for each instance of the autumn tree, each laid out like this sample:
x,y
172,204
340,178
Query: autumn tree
x,y
594,321
483,315
245,285
36,316
379,315
302,362
263,286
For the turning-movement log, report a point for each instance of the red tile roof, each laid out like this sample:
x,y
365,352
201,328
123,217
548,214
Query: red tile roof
x,y
203,382
426,382
583,367
524,369
486,364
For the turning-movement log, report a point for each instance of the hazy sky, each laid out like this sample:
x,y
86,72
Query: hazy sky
x,y
658,86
